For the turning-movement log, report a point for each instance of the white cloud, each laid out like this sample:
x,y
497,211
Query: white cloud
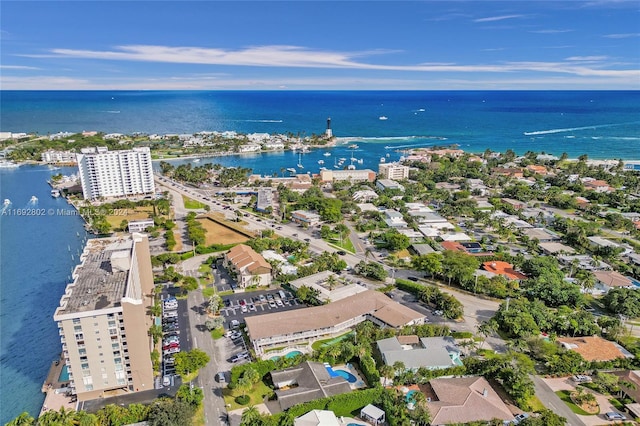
x,y
498,18
587,58
18,67
617,36
550,31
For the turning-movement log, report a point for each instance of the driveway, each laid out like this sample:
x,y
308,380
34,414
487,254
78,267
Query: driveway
x,y
565,383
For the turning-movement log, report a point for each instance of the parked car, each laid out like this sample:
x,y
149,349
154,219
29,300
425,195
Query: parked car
x,y
262,298
171,351
438,313
273,304
612,415
235,335
221,378
235,323
166,381
244,309
520,417
581,378
252,307
279,302
341,252
269,296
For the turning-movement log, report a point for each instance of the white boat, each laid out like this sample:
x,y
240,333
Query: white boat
x,y
320,162
343,159
327,154
351,167
382,117
291,169
323,168
55,193
6,202
197,160
33,199
354,146
300,166
360,161
382,159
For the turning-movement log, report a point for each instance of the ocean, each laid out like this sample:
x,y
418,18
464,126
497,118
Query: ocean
x,y
601,124
36,252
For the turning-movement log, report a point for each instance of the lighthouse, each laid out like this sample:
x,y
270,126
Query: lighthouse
x,y
328,132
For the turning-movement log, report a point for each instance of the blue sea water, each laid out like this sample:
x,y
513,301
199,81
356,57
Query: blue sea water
x,y
35,263
602,124
35,252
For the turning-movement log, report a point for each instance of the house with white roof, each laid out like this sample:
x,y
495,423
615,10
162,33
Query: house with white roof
x,y
394,219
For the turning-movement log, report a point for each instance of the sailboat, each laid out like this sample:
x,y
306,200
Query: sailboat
x,y
300,166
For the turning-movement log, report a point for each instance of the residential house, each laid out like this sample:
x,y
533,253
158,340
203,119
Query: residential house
x,y
433,353
514,204
499,267
306,382
539,170
607,280
543,235
364,196
250,148
594,348
597,185
455,236
505,171
551,249
394,219
464,400
250,267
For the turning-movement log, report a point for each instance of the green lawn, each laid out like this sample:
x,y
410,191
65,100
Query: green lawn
x,y
319,343
256,396
192,204
564,396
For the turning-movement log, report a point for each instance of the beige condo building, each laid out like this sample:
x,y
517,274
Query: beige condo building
x,y
103,319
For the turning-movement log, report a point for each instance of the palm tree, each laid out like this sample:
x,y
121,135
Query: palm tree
x,y
587,280
23,419
331,282
387,372
251,416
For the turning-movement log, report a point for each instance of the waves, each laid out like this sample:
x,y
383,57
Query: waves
x,y
574,129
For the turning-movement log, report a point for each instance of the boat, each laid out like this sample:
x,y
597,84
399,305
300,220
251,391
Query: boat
x,y
6,202
335,164
300,166
351,167
327,154
197,160
323,168
361,160
320,162
382,117
33,199
388,155
382,159
55,193
291,169
354,146
343,159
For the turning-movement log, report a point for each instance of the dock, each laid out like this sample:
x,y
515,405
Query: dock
x,y
58,392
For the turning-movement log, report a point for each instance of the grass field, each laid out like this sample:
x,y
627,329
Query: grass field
x,y
566,398
218,234
192,204
137,213
256,394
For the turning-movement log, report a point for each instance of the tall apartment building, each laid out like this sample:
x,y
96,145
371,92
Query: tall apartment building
x,y
105,173
103,319
393,171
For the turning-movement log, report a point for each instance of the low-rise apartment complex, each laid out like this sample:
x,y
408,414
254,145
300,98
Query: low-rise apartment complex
x,y
249,267
304,326
103,319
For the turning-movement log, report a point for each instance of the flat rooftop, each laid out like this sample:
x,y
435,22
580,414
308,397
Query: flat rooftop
x,y
100,280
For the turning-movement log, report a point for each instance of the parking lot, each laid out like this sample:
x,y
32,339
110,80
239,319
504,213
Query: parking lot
x,y
175,335
241,305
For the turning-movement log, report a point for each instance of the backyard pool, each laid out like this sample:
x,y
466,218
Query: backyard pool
x,y
341,373
409,397
293,354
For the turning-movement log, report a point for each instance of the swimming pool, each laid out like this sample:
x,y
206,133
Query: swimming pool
x,y
341,373
293,354
409,397
64,374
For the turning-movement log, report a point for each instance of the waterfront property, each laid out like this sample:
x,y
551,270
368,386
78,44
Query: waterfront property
x,y
103,319
366,175
394,171
427,352
304,326
249,267
106,174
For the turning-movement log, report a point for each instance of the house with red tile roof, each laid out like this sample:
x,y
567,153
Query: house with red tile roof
x,y
499,267
250,267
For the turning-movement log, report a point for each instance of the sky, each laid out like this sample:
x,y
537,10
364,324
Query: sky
x,y
320,45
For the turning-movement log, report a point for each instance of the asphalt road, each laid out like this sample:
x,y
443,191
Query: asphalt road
x,y
554,403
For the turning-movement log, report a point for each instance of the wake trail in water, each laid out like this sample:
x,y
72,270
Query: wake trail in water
x,y
573,129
